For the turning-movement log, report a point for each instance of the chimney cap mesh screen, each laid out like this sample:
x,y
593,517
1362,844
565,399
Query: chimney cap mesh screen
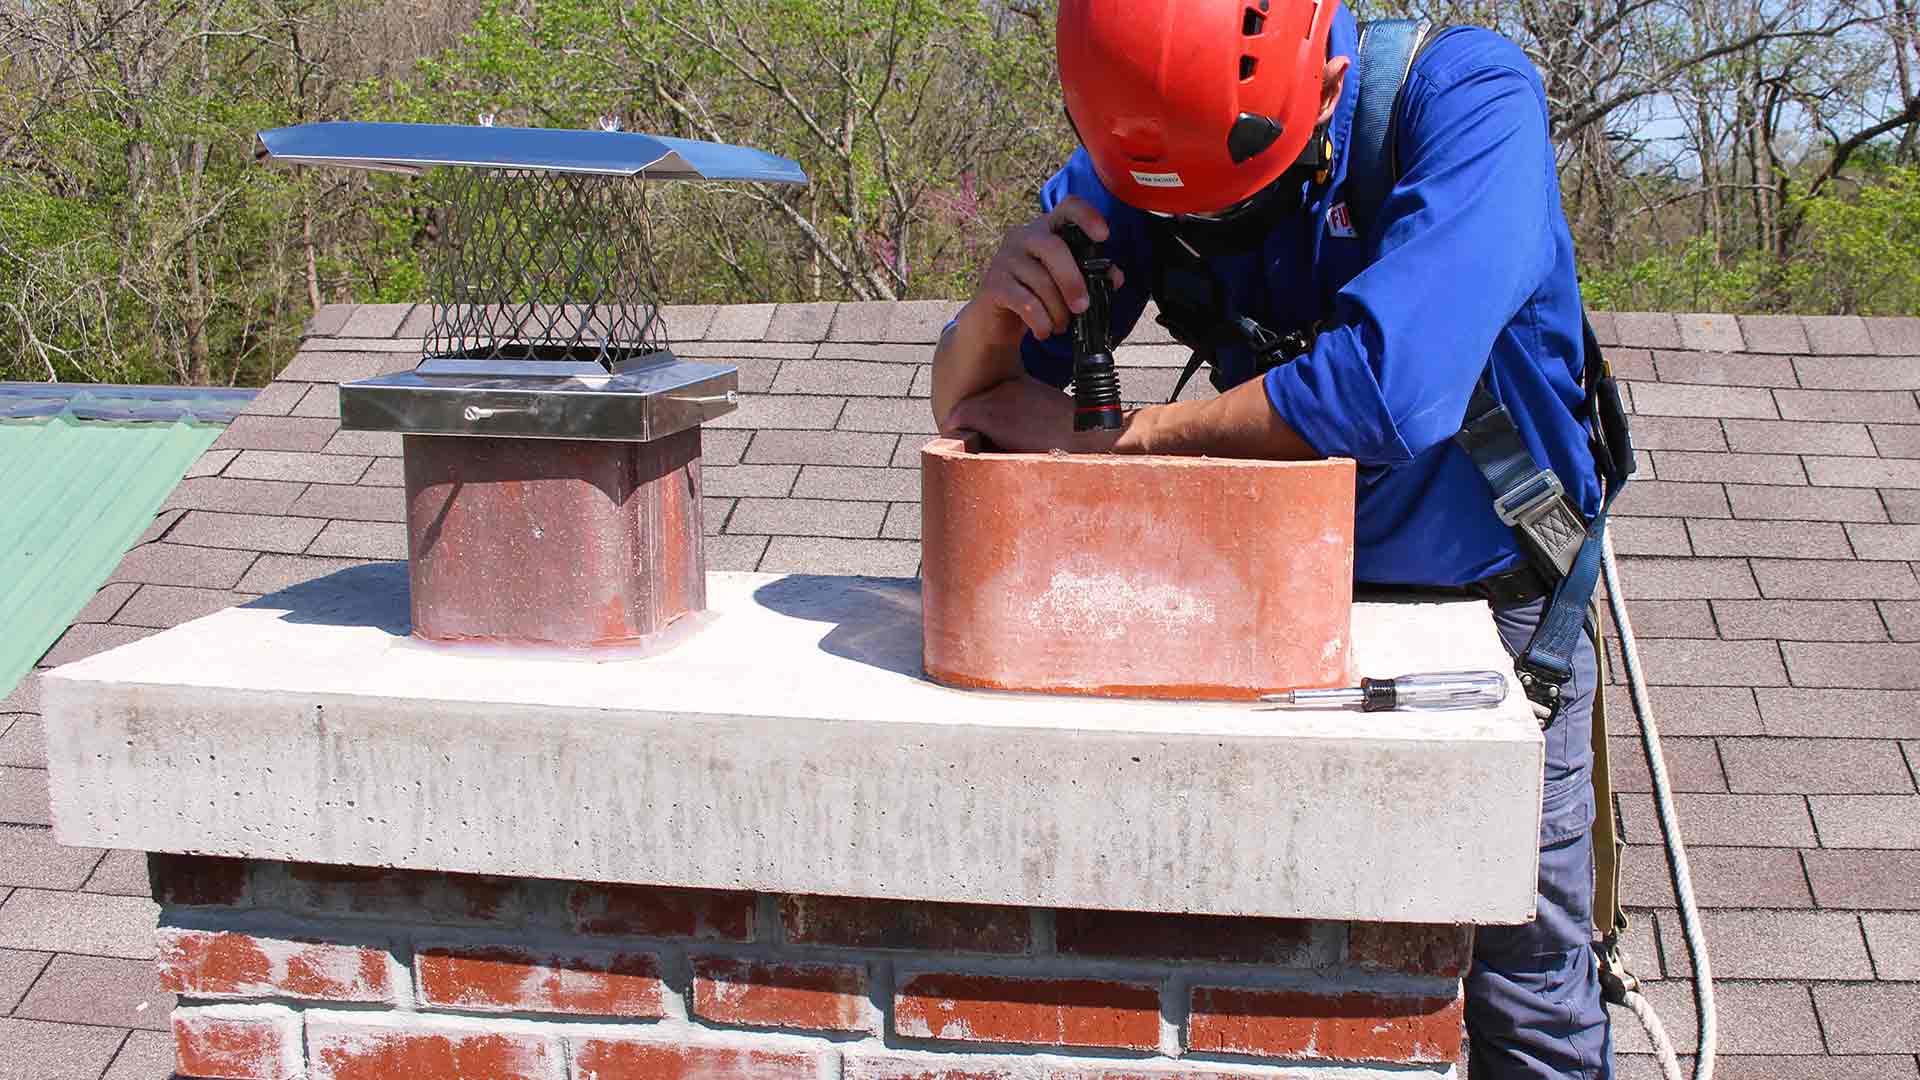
x,y
541,265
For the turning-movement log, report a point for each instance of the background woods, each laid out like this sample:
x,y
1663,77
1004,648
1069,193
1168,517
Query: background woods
x,y
1740,155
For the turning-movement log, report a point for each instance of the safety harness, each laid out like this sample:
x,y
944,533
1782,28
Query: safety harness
x,y
1561,547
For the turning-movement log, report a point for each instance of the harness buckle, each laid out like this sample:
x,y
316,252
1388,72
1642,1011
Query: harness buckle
x,y
1532,499
1543,689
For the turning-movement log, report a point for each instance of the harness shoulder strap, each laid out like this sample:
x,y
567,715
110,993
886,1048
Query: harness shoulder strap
x,y
1388,48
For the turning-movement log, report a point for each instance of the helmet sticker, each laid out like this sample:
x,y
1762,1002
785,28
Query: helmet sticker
x,y
1157,179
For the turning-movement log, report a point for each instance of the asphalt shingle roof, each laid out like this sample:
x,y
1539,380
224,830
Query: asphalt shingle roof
x,y
1770,552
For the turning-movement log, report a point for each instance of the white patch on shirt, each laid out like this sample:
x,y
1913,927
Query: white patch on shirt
x,y
1340,221
1157,179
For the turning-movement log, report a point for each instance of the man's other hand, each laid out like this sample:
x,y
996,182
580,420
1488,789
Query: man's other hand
x,y
1025,414
1033,282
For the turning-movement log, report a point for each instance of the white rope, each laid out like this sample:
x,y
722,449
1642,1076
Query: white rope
x,y
1676,853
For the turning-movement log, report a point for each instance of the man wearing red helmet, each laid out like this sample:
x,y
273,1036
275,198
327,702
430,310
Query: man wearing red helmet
x,y
1215,155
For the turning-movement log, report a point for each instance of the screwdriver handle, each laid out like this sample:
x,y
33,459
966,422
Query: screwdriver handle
x,y
1439,690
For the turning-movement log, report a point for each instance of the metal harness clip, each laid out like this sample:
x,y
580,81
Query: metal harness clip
x,y
1532,499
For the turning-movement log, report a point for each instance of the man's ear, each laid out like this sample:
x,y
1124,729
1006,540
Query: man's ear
x,y
1330,84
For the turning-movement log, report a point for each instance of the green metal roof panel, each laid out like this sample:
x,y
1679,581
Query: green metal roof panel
x,y
78,493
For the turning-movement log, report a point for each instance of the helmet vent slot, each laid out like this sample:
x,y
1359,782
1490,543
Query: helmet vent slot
x,y
1247,66
1253,23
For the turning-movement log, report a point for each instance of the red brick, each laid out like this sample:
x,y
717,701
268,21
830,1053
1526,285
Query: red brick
x,y
759,993
359,890
202,963
706,914
887,1065
1893,666
512,978
1410,947
620,1059
1042,1012
197,879
1086,1071
340,1047
1299,1024
1154,1073
1283,942
255,1043
904,924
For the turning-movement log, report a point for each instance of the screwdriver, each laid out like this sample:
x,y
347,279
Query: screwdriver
x,y
1442,690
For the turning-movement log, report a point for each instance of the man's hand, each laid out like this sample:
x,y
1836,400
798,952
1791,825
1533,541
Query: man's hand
x,y
1025,414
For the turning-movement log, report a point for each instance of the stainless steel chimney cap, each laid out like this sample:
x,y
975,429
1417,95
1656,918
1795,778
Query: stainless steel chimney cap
x,y
545,321
643,399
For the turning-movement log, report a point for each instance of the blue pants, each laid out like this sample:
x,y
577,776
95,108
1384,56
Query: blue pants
x,y
1533,993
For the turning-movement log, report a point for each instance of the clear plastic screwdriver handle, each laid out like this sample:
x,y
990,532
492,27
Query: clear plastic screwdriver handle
x,y
1439,690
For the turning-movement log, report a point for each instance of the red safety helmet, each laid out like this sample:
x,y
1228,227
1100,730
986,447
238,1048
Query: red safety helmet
x,y
1192,106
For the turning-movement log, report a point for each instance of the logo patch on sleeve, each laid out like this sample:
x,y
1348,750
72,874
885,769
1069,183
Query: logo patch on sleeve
x,y
1340,221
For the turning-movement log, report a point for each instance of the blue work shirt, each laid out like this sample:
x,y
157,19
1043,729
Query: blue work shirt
x,y
1469,269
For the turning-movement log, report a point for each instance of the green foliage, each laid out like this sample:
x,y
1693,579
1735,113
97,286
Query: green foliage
x,y
140,241
1864,249
1858,253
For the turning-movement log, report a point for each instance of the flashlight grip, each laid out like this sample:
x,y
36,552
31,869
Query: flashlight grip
x,y
1096,384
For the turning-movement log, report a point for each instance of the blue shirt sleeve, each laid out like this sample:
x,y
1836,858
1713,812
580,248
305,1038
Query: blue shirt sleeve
x,y
1051,361
1466,238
